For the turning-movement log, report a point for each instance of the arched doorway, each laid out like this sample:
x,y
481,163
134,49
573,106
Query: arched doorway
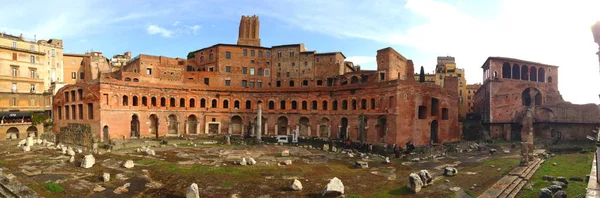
x,y
324,127
135,126
12,133
304,127
236,124
32,131
192,124
105,135
434,131
173,124
154,125
381,127
344,128
282,125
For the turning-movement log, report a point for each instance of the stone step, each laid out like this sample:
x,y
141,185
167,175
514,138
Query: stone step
x,y
511,187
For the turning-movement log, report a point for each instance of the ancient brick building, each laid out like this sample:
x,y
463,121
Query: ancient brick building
x,y
216,91
510,85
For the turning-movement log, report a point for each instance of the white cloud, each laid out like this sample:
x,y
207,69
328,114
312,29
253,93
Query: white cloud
x,y
155,29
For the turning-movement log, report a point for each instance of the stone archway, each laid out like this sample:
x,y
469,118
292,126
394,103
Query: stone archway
x,y
434,132
344,128
154,125
12,133
236,125
381,127
173,124
105,135
304,127
135,126
192,124
324,127
32,131
282,125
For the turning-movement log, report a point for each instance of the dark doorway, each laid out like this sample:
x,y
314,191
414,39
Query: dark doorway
x,y
135,126
105,134
282,125
434,131
344,128
154,125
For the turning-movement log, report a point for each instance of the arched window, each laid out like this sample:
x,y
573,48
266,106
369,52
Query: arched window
x,y
134,101
335,105
506,70
163,102
294,105
248,104
172,102
271,105
291,83
125,100
127,79
192,102
314,105
202,103
153,101
344,105
524,72
282,104
225,104
354,105
236,104
319,82
304,105
354,80
213,103
363,104
541,74
136,80
372,103
144,101
516,71
324,105
181,102
305,83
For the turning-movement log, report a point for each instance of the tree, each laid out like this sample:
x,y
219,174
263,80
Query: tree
x,y
422,75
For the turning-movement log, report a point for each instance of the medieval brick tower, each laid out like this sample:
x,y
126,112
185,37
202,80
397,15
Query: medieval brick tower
x,y
249,26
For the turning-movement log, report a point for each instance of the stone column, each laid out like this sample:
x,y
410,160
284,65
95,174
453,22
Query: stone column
x,y
229,128
309,131
186,127
266,127
287,130
259,124
276,129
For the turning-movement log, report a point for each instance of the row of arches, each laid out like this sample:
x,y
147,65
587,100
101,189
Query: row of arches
x,y
525,72
354,104
14,133
281,126
134,79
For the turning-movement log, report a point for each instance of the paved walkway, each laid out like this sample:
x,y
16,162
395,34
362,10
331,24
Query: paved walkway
x,y
510,185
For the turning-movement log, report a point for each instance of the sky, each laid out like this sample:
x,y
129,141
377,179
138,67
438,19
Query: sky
x,y
554,32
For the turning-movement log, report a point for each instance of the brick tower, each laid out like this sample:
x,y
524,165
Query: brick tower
x,y
249,26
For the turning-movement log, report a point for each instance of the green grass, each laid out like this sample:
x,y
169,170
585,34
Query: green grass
x,y
227,184
404,190
54,187
569,165
353,196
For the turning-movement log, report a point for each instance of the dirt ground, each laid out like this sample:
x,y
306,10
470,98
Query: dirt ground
x,y
175,166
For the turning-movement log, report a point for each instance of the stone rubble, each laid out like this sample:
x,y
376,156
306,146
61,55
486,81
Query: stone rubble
x,y
88,161
414,182
128,164
192,191
106,177
335,187
450,171
296,185
426,177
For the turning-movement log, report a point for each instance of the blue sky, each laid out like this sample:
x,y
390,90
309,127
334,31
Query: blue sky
x,y
548,31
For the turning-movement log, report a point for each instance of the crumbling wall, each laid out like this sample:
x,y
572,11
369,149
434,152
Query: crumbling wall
x,y
76,134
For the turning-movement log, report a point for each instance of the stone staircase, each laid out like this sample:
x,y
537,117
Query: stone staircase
x,y
510,185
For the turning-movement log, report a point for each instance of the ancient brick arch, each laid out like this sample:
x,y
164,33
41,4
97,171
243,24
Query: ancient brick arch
x,y
506,70
516,72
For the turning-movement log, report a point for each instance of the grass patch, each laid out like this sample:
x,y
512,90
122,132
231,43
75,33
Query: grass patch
x,y
353,196
54,187
470,193
386,192
569,165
